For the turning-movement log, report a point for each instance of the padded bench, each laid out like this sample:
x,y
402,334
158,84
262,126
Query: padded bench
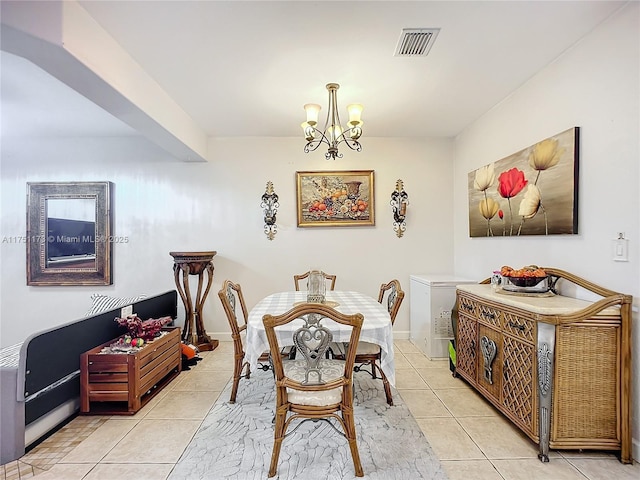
x,y
40,378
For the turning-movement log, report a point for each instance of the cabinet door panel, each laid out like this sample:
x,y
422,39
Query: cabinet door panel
x,y
489,362
466,347
518,382
594,377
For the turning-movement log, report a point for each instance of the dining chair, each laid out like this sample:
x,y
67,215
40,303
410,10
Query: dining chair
x,y
313,387
328,278
231,296
370,353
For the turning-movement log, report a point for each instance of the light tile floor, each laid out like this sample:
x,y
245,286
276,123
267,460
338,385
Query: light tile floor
x,y
470,437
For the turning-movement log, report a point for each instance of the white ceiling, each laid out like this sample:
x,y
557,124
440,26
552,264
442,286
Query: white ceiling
x,y
241,68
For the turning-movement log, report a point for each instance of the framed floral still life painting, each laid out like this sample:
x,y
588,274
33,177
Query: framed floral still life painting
x,y
335,199
532,192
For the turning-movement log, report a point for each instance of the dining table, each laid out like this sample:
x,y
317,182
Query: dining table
x,y
376,328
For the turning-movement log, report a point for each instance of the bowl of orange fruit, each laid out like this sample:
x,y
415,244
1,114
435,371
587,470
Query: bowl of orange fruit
x,y
525,277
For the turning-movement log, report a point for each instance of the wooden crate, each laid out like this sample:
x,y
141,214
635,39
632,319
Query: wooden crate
x,y
121,383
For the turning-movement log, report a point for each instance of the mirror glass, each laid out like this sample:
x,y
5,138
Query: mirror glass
x,y
69,233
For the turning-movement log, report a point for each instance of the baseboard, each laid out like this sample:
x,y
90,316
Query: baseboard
x,y
400,335
35,430
635,449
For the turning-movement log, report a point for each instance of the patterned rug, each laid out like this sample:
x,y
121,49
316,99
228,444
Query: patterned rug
x,y
235,440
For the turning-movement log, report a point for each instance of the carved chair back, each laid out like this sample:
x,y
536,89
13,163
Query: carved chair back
x,y
331,280
394,295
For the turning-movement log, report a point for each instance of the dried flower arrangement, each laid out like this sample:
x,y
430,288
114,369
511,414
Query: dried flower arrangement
x,y
145,329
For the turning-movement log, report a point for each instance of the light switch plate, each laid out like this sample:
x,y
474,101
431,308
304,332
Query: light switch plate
x,y
125,311
621,250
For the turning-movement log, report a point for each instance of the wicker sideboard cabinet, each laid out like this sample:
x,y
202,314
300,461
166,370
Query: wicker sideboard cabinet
x,y
558,367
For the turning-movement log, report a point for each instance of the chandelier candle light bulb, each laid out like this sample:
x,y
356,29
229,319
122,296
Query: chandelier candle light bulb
x,y
334,132
313,111
355,111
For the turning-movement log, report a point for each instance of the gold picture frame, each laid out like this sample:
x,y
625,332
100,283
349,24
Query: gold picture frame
x,y
335,199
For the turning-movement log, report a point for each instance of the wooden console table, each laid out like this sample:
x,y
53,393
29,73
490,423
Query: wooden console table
x,y
122,383
558,367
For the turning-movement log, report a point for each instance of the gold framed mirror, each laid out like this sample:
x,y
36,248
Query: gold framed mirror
x,y
69,231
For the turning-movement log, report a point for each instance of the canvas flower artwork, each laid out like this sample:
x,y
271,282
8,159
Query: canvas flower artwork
x,y
532,192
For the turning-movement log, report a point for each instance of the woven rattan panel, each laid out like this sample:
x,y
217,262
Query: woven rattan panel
x,y
585,400
489,315
520,327
467,306
466,350
518,393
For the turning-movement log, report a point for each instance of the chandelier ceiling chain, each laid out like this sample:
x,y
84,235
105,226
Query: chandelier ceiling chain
x,y
333,133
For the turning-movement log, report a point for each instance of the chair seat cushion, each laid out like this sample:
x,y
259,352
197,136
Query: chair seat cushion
x,y
339,349
366,348
331,369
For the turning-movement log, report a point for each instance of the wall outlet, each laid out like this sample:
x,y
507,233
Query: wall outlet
x,y
126,311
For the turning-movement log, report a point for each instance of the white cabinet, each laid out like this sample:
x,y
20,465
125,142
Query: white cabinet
x,y
431,299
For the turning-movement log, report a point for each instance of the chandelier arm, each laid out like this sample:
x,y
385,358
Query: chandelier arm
x,y
323,139
343,136
352,144
311,146
316,142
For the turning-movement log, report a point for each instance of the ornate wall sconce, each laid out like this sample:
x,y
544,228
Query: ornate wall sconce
x,y
399,203
270,206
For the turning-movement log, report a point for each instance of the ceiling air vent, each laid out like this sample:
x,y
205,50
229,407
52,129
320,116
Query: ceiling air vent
x,y
416,42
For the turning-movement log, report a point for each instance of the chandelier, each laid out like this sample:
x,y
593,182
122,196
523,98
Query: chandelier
x,y
333,133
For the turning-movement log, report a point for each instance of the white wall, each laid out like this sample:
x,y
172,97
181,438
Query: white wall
x,y
163,206
595,86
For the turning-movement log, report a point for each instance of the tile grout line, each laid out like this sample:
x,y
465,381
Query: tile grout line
x,y
26,470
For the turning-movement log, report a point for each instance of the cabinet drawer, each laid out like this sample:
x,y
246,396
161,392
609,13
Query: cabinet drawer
x,y
467,305
520,327
489,315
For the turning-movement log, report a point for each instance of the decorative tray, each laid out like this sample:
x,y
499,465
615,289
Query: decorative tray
x,y
548,293
526,284
328,303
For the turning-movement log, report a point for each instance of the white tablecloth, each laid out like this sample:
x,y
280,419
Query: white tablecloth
x,y
376,328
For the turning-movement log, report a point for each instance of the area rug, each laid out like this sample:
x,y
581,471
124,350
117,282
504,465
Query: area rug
x,y
235,440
